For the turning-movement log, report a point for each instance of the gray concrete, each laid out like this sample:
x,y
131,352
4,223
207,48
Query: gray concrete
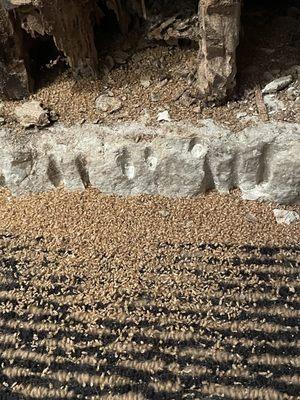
x,y
171,160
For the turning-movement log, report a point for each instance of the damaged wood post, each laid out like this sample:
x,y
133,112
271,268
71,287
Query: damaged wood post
x,y
219,38
68,22
15,81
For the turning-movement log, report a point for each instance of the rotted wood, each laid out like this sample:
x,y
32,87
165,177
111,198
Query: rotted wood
x,y
15,82
219,38
70,23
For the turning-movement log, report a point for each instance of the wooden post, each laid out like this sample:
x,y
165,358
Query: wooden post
x,y
15,80
69,22
219,38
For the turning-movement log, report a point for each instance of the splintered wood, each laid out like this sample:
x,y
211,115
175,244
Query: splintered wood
x,y
70,25
261,107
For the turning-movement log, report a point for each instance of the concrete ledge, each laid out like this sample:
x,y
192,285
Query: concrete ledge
x,y
171,160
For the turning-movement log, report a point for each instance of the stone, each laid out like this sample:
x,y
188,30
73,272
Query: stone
x,y
251,218
197,110
53,116
163,82
187,99
278,84
163,116
164,213
1,109
108,103
175,28
285,216
31,113
273,104
291,93
173,159
145,82
241,115
294,71
2,121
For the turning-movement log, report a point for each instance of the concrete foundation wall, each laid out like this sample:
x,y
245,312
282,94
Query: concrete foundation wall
x,y
171,160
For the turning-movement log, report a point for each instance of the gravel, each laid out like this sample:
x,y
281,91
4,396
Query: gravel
x,y
147,298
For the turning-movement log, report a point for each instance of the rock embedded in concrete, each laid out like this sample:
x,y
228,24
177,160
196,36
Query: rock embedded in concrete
x,y
278,84
31,113
174,159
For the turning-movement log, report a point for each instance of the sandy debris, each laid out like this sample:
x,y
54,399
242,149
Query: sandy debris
x,y
147,297
215,217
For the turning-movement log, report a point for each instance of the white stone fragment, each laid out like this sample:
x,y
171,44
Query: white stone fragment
x,y
108,104
285,217
145,82
273,104
163,116
278,84
31,114
241,114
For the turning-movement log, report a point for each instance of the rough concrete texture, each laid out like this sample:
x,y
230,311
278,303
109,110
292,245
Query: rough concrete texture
x,y
172,160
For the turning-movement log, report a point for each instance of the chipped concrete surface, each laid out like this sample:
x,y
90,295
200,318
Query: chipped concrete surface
x,y
171,159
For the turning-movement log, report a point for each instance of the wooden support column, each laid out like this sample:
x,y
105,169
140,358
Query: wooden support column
x,y
15,80
219,38
69,22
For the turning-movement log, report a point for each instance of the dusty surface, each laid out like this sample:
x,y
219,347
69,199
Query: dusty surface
x,y
170,160
147,298
269,49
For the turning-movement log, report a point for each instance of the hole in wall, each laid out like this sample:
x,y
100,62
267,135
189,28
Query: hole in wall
x,y
46,62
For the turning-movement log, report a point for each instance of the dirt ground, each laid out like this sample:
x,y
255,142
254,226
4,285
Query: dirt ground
x,y
147,298
103,297
150,77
